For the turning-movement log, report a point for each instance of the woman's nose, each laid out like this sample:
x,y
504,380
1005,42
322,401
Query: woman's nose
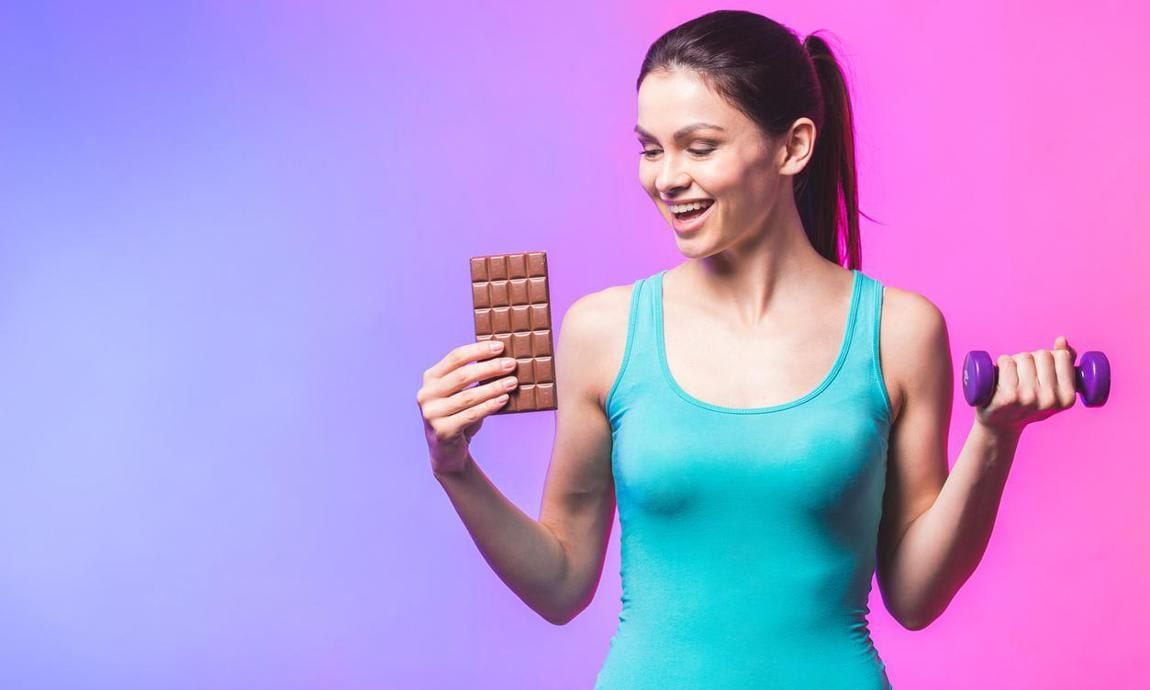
x,y
671,176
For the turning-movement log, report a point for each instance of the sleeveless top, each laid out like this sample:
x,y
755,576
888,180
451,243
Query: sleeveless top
x,y
748,535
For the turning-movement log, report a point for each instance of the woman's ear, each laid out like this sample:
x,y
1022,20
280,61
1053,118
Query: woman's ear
x,y
799,146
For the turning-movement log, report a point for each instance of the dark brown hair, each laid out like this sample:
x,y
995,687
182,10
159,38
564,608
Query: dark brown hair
x,y
762,68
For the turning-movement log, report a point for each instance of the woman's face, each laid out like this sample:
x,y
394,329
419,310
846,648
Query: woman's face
x,y
728,161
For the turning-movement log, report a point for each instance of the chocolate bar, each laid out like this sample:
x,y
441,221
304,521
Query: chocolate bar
x,y
513,305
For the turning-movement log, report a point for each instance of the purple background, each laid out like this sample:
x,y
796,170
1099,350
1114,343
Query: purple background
x,y
218,226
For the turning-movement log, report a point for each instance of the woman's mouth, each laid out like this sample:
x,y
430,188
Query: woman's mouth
x,y
692,217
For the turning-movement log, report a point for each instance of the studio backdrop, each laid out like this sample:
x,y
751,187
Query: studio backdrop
x,y
234,235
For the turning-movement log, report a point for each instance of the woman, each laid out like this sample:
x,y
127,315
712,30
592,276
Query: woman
x,y
772,425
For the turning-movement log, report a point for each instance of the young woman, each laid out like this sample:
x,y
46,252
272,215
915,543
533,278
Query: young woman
x,y
771,425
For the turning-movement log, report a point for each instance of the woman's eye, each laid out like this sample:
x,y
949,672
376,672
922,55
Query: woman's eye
x,y
650,152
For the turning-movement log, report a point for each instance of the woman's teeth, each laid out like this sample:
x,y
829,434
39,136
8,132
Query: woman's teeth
x,y
688,211
683,208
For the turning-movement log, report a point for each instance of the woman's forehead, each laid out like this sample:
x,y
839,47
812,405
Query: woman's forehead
x,y
668,102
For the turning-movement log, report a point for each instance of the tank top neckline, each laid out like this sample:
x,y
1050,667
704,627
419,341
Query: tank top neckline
x,y
844,347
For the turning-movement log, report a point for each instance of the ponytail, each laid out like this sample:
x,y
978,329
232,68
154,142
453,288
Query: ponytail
x,y
830,216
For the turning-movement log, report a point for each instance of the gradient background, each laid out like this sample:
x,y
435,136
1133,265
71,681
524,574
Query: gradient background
x,y
218,226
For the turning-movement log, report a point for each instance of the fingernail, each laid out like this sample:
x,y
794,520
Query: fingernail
x,y
495,345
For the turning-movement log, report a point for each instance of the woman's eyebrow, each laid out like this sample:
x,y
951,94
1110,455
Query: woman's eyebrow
x,y
682,132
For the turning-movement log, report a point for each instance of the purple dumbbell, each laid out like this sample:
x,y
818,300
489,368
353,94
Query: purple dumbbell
x,y
980,376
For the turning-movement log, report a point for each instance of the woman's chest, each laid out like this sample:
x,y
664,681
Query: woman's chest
x,y
776,367
671,458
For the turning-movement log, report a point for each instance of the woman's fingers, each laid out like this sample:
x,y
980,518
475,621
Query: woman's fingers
x,y
460,356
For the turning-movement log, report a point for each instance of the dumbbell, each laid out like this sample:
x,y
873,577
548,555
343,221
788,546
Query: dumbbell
x,y
1091,378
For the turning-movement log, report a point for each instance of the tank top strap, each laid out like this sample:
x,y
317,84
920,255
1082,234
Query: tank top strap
x,y
863,356
640,366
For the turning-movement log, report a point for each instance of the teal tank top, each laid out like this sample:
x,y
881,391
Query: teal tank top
x,y
748,535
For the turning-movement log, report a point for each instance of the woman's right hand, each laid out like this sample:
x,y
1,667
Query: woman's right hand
x,y
452,412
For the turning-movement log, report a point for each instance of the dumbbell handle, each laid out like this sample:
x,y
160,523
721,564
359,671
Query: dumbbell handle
x,y
1091,378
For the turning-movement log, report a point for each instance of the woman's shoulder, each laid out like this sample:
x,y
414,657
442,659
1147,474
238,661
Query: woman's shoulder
x,y
600,317
911,312
913,335
594,330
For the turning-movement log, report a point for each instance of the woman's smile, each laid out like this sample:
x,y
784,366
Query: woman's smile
x,y
692,221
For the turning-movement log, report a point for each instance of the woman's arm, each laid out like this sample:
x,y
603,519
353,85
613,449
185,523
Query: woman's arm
x,y
935,526
942,547
554,563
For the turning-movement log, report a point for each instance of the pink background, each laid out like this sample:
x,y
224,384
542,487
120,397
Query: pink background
x,y
218,222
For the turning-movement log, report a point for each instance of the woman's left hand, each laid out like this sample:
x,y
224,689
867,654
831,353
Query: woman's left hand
x,y
1032,386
